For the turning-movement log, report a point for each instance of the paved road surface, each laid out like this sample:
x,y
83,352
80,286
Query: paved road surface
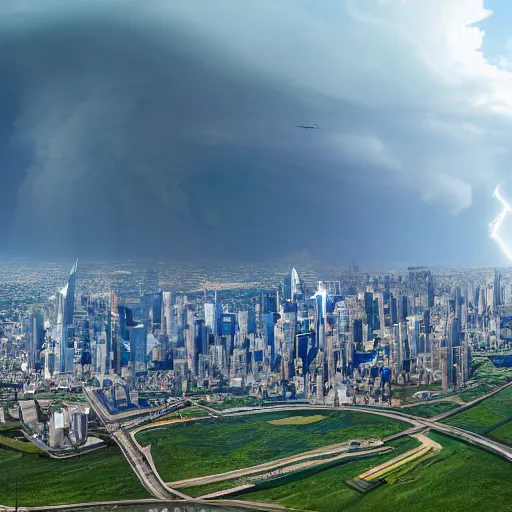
x,y
325,453
141,462
180,505
475,439
138,460
474,402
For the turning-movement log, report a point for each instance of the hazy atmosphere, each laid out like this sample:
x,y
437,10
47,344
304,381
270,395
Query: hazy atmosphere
x,y
169,129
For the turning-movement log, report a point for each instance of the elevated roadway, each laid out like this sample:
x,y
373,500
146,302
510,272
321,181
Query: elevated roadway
x,y
319,455
416,422
140,460
198,505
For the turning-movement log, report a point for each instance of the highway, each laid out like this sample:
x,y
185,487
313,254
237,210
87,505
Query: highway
x,y
198,505
320,455
449,430
476,401
142,464
139,460
417,422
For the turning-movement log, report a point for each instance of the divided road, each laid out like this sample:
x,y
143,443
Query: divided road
x,y
417,422
142,464
476,401
324,454
138,460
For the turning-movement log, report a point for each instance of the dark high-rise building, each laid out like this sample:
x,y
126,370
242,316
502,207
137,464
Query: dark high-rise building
x,y
394,311
287,287
269,303
138,343
405,308
358,332
376,317
36,338
430,290
368,307
497,290
151,308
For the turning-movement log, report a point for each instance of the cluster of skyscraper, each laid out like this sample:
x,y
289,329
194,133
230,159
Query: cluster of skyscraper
x,y
345,341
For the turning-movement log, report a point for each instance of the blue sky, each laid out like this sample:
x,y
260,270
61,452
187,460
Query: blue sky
x,y
498,28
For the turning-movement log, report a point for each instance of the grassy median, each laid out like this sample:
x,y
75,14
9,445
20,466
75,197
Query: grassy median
x,y
215,446
458,478
487,416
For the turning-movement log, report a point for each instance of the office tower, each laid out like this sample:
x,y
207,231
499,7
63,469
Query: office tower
x,y
228,325
358,333
497,291
125,321
430,290
200,342
378,310
403,308
166,314
287,287
320,314
426,321
269,303
113,340
209,315
64,310
394,311
343,317
370,317
296,288
243,324
36,338
151,310
69,294
138,344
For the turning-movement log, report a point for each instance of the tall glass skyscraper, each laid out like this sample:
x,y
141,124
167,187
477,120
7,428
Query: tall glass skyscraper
x,y
65,309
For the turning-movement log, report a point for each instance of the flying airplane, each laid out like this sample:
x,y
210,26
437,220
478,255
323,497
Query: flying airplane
x,y
309,126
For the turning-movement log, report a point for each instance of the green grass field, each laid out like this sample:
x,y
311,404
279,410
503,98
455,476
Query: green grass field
x,y
234,401
428,410
217,445
100,476
471,394
486,416
400,445
20,446
4,427
483,370
187,412
459,478
503,433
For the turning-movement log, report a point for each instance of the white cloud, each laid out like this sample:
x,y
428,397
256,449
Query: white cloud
x,y
422,58
447,190
366,150
432,105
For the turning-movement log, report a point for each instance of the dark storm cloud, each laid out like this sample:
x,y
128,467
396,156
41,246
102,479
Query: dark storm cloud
x,y
124,142
133,129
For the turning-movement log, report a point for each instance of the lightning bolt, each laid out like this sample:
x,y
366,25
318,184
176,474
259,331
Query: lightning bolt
x,y
495,225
